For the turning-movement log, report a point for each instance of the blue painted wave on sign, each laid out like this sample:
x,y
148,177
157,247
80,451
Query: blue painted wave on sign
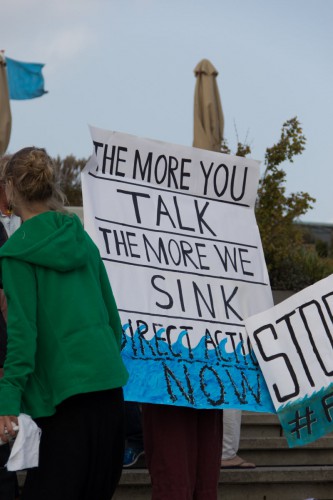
x,y
309,418
205,376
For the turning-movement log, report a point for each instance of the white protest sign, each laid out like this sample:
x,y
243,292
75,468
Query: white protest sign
x,y
176,229
293,342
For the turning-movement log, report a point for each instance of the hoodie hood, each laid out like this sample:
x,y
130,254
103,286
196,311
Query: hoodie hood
x,y
51,239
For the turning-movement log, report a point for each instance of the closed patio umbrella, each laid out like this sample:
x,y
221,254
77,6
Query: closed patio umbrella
x,y
5,114
208,115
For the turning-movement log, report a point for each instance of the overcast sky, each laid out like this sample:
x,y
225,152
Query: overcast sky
x,y
127,65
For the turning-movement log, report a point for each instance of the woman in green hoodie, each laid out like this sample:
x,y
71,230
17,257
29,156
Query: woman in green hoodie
x,y
63,364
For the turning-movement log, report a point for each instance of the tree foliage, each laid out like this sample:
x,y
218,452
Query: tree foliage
x,y
277,212
291,265
68,172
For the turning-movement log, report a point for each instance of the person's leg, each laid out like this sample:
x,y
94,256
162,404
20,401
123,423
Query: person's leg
x,y
231,437
133,424
231,433
7,479
60,456
134,434
81,449
210,433
170,440
107,445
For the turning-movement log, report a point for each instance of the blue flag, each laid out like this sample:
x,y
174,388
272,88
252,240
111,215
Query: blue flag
x,y
25,80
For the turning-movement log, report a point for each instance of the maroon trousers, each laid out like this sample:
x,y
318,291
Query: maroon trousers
x,y
183,449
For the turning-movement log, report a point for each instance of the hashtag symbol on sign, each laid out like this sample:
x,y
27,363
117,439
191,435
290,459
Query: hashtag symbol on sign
x,y
302,422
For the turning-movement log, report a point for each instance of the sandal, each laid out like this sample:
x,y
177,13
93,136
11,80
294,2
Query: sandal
x,y
236,463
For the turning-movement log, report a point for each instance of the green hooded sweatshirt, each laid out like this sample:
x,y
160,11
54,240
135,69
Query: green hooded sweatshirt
x,y
64,331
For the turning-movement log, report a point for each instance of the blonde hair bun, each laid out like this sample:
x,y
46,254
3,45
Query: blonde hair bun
x,y
32,174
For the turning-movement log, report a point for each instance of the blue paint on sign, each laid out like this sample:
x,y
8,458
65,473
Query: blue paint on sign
x,y
204,376
308,418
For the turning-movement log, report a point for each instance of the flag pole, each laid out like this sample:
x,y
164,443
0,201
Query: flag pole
x,y
5,112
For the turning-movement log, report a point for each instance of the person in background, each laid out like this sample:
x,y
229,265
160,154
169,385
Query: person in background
x,y
8,480
231,436
9,220
134,437
63,365
8,224
183,449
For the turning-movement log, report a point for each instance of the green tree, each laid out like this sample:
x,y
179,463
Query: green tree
x,y
290,264
68,171
277,212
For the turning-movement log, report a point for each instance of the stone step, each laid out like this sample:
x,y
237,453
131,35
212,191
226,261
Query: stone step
x,y
274,451
262,483
260,425
275,483
256,418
